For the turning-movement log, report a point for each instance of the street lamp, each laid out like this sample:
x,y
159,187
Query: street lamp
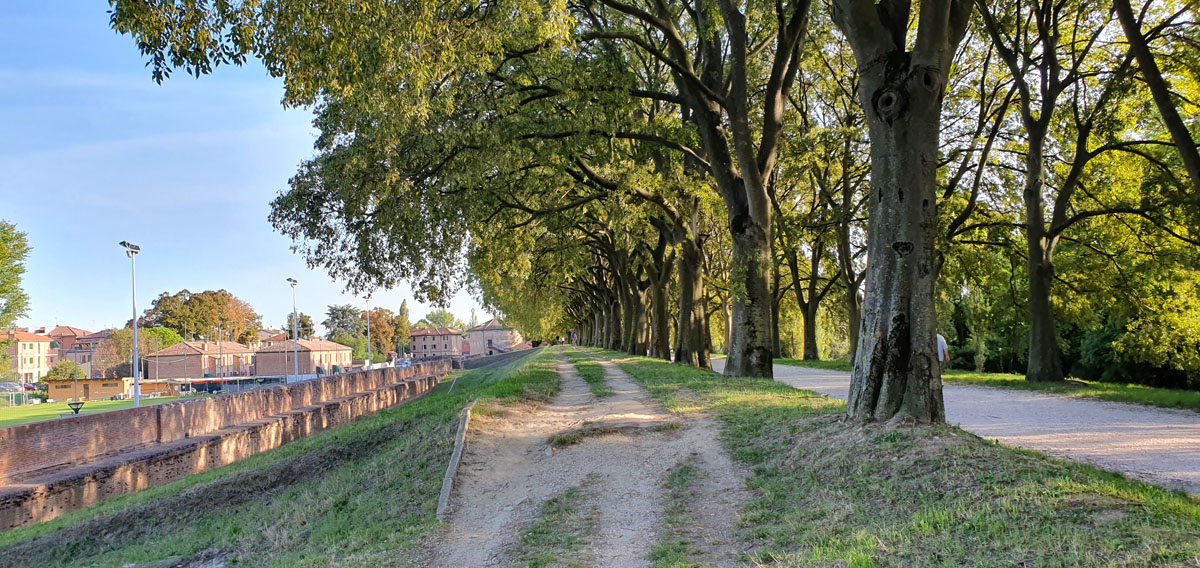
x,y
295,336
131,250
369,360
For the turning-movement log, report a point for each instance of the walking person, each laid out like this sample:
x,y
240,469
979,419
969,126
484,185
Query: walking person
x,y
943,352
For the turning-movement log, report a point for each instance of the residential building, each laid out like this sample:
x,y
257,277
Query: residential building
x,y
279,337
493,337
197,359
431,342
84,350
30,355
66,337
317,357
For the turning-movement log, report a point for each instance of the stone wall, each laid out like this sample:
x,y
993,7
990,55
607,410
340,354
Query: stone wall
x,y
52,467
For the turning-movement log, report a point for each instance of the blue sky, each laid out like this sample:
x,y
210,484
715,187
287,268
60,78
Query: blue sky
x,y
93,152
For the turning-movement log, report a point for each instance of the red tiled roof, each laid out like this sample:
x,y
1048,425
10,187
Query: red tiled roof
x,y
433,331
23,336
493,323
65,330
314,344
197,347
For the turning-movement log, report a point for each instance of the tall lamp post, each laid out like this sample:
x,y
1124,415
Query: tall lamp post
x,y
369,360
295,337
131,250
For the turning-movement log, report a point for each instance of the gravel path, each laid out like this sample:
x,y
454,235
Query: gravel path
x,y
507,474
1155,445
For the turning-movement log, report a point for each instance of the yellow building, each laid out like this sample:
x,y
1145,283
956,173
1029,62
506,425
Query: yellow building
x,y
91,389
29,354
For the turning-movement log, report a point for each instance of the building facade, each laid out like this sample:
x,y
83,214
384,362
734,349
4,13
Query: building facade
x,y
493,338
198,359
316,356
432,342
90,389
30,355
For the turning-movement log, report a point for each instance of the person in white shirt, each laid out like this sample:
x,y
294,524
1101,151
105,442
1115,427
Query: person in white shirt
x,y
943,351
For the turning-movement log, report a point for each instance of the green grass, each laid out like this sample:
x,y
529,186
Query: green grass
x,y
1114,392
590,371
559,534
834,493
364,494
26,414
674,548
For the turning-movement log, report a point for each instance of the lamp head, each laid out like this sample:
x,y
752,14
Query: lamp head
x,y
130,248
293,282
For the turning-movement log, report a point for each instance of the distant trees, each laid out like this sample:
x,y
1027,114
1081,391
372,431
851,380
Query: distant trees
x,y
403,328
13,301
211,314
344,319
304,326
441,318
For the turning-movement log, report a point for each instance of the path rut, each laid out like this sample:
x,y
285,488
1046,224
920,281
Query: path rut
x,y
508,472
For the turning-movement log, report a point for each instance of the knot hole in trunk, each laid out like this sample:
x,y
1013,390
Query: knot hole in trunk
x,y
889,103
902,248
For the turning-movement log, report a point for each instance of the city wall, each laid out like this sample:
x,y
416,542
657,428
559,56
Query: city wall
x,y
48,468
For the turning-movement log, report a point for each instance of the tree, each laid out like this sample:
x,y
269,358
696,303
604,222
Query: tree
x,y
304,326
383,332
441,318
344,319
161,337
66,370
204,314
402,325
1159,89
896,374
14,248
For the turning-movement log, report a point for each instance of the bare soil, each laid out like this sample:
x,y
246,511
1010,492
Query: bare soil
x,y
510,469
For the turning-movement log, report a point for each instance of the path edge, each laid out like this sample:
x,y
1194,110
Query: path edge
x,y
448,481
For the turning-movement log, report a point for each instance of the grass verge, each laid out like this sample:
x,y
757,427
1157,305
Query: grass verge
x,y
674,548
30,413
559,534
1113,392
833,493
363,494
591,372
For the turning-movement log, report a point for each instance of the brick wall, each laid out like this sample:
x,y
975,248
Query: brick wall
x,y
37,449
51,495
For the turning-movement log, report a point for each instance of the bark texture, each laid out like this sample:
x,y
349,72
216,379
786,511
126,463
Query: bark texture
x,y
896,374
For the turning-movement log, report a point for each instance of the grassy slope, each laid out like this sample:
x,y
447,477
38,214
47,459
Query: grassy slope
x,y
363,494
29,413
1137,394
837,494
591,372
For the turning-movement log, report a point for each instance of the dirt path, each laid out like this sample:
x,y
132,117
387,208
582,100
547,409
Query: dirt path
x,y
1155,445
508,473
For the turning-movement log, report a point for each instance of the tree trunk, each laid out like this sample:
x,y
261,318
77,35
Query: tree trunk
x,y
1045,364
660,321
896,373
854,315
750,354
1161,93
810,333
690,350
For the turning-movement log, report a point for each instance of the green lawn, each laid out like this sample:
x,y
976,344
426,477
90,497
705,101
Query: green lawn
x,y
364,494
834,493
1137,394
28,413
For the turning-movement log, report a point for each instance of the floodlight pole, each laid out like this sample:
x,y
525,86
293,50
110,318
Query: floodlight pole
x,y
132,250
369,359
295,335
